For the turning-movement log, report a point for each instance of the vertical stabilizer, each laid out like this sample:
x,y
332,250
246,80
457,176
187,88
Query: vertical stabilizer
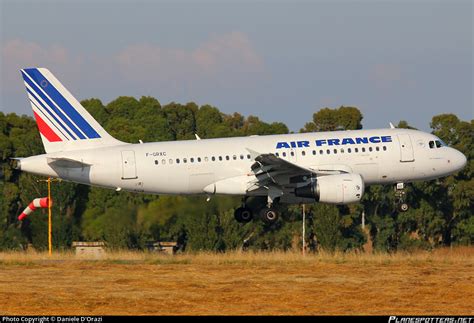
x,y
64,124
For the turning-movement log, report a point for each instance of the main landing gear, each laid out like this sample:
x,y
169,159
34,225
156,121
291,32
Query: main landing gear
x,y
245,214
400,196
269,215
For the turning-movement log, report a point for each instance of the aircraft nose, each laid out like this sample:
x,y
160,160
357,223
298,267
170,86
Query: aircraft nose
x,y
458,160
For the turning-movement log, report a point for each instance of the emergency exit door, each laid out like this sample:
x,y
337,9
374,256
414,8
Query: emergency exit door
x,y
406,148
129,167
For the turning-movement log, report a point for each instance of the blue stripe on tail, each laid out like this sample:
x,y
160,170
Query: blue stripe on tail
x,y
59,99
46,117
51,113
51,106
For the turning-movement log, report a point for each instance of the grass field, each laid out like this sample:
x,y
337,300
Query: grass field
x,y
439,282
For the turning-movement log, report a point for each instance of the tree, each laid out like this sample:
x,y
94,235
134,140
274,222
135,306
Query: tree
x,y
181,120
441,212
327,119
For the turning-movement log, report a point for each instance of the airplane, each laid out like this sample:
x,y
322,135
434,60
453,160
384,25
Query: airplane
x,y
326,167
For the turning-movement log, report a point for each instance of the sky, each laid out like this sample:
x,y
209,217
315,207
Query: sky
x,y
279,60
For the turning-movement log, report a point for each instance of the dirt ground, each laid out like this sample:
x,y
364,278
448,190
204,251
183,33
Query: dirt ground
x,y
440,283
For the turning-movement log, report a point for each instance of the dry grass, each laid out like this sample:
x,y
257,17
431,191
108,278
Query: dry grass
x,y
132,283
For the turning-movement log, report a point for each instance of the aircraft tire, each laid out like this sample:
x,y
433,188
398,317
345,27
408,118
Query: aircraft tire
x,y
404,207
269,215
243,215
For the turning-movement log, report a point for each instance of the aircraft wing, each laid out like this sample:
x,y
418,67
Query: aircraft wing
x,y
272,170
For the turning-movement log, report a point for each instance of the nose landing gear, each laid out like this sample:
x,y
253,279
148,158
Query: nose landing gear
x,y
400,195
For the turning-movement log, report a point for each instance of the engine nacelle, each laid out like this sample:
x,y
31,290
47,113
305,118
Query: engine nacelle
x,y
334,189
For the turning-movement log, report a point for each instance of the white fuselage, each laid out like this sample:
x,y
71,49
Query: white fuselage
x,y
192,166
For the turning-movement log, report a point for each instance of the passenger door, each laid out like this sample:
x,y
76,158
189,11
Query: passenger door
x,y
406,148
129,167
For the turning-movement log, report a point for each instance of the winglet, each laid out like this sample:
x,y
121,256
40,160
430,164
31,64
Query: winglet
x,y
392,126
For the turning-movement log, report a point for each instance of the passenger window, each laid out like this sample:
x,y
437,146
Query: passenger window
x,y
384,148
321,152
227,158
328,151
292,153
248,156
377,148
335,151
213,158
234,157
342,150
185,160
171,161
349,150
191,160
277,154
314,152
206,159
199,159
363,149
431,144
284,154
370,149
303,153
242,157
356,150
177,160
163,161
156,162
220,158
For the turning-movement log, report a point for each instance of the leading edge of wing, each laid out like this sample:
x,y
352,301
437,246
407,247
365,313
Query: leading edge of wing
x,y
270,162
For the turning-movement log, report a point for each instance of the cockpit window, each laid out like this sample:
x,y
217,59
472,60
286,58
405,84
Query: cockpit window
x,y
437,143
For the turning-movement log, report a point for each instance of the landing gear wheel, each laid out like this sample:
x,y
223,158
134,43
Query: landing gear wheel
x,y
243,215
400,195
269,215
403,207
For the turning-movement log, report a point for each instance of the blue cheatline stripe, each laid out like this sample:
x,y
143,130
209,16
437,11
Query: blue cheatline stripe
x,y
53,107
59,99
50,113
47,118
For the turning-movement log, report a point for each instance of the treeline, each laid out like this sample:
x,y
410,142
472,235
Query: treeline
x,y
441,213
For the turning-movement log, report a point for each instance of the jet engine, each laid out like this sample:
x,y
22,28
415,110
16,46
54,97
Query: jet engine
x,y
334,189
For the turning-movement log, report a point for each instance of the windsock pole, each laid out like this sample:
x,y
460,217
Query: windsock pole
x,y
44,202
50,225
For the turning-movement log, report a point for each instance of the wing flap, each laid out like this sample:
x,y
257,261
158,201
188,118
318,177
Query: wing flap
x,y
271,170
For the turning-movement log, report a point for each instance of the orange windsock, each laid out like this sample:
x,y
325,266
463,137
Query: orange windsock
x,y
36,203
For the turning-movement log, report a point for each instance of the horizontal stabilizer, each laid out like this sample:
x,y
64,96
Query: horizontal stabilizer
x,y
67,163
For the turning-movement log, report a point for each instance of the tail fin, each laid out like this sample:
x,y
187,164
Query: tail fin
x,y
64,124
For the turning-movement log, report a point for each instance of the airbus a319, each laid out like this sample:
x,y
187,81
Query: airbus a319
x,y
325,167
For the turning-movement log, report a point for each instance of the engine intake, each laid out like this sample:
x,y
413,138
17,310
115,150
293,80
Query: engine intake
x,y
334,189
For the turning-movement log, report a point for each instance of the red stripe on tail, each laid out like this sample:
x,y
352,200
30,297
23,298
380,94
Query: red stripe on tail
x,y
46,130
